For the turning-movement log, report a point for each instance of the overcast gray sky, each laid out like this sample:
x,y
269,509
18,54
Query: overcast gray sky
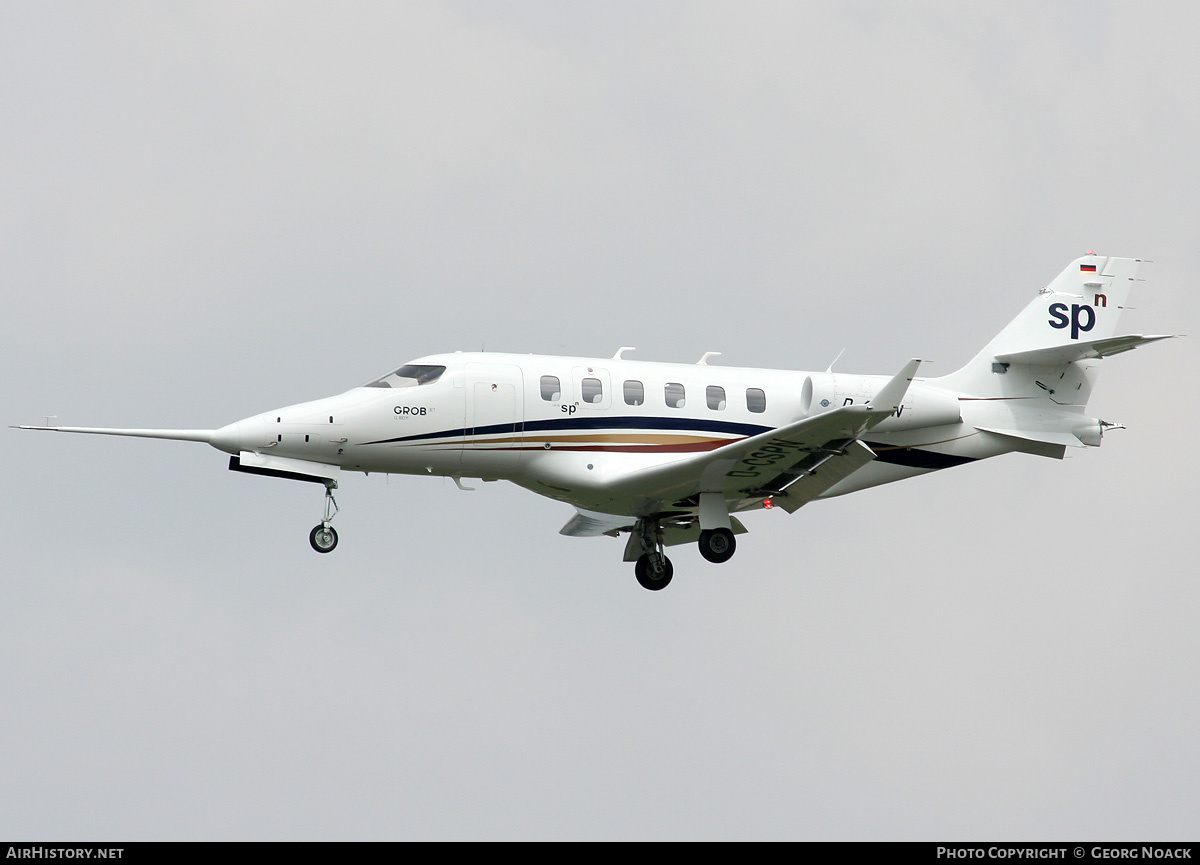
x,y
208,210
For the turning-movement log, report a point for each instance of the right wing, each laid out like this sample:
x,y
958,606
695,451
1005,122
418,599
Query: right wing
x,y
792,464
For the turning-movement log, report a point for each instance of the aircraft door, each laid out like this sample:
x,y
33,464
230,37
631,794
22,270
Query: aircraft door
x,y
494,419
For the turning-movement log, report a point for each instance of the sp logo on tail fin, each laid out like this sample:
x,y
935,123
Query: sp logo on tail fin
x,y
1081,320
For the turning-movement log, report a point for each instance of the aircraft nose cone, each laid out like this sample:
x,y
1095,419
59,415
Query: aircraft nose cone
x,y
228,438
238,436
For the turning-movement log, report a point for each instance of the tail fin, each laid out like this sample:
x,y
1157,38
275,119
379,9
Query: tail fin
x,y
1052,347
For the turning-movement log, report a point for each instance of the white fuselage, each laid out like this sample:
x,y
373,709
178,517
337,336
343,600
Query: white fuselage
x,y
564,427
667,453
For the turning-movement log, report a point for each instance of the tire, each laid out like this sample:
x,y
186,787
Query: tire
x,y
650,580
717,545
323,538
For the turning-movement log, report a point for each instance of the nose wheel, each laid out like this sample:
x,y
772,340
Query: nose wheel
x,y
324,537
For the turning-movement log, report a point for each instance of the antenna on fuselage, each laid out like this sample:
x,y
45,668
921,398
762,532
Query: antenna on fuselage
x,y
623,348
703,361
836,359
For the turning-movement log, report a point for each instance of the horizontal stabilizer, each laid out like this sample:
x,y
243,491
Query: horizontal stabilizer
x,y
1042,436
1092,348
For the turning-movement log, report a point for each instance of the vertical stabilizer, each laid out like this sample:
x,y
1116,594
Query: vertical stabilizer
x,y
1081,306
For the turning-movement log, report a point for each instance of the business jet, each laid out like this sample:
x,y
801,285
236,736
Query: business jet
x,y
670,453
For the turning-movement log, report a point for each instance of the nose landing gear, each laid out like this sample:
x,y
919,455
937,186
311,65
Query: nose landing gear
x,y
323,538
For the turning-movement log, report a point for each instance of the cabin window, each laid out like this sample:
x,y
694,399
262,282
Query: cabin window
x,y
674,395
715,394
756,399
635,394
409,375
551,388
592,390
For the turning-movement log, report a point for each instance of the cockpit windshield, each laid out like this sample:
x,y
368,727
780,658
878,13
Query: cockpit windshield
x,y
409,375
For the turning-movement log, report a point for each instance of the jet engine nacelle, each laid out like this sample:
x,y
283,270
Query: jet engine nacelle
x,y
923,405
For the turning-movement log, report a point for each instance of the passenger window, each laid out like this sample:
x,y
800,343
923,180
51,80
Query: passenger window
x,y
551,389
715,395
674,395
756,399
635,394
592,390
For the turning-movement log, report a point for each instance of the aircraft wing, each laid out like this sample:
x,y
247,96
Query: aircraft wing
x,y
590,524
763,463
792,464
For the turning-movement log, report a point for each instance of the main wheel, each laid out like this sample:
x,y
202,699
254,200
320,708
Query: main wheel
x,y
323,538
717,545
653,578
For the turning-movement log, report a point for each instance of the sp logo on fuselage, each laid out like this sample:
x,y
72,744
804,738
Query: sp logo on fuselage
x,y
1082,318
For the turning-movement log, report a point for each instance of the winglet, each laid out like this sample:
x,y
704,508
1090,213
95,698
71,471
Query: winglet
x,y
889,398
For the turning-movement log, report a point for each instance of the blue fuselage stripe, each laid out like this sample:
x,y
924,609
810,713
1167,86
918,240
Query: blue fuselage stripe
x,y
582,424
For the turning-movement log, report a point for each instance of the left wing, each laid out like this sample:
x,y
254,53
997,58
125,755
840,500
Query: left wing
x,y
591,524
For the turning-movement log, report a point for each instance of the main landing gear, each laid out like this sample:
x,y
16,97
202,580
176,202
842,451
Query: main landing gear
x,y
717,545
653,571
324,537
652,568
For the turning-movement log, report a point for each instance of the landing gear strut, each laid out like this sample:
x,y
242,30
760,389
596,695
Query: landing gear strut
x,y
716,536
323,537
652,569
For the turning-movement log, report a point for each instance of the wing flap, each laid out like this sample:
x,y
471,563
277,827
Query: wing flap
x,y
810,482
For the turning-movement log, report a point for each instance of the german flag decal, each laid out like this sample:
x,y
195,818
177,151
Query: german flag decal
x,y
1088,268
